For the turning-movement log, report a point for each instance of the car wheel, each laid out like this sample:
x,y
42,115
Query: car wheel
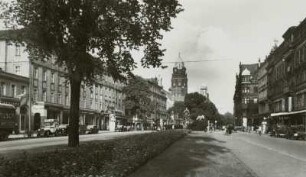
x,y
47,134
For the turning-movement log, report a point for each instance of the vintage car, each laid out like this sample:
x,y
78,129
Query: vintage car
x,y
91,129
62,129
50,127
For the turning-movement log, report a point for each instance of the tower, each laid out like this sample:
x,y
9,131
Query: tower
x,y
179,81
204,91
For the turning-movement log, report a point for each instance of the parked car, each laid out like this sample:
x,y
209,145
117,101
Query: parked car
x,y
91,129
50,127
121,128
297,133
62,129
281,131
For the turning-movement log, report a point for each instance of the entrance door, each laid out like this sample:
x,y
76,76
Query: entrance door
x,y
36,121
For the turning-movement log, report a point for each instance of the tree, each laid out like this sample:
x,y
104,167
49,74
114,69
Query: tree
x,y
137,97
93,37
199,105
238,95
178,108
227,119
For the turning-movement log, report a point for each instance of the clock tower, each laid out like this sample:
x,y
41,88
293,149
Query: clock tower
x,y
179,82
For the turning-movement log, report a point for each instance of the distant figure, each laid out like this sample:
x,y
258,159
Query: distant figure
x,y
259,131
230,128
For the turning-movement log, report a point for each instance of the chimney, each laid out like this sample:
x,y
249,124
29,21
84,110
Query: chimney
x,y
259,62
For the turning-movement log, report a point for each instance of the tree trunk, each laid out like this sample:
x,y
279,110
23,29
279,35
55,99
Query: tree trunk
x,y
73,139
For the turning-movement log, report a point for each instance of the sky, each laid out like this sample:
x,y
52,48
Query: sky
x,y
226,32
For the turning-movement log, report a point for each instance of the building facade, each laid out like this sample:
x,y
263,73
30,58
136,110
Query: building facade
x,y
159,99
179,82
14,91
263,102
249,95
287,79
49,89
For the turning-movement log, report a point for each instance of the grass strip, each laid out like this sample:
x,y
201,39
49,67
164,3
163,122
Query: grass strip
x,y
116,158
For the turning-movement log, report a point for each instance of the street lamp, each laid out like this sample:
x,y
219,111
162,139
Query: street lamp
x,y
216,124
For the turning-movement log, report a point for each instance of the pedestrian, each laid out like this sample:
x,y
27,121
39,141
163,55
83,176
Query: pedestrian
x,y
259,131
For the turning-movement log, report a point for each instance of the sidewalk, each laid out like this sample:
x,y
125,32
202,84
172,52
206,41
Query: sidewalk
x,y
197,155
34,135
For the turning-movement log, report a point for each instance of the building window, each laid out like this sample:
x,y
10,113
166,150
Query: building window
x,y
52,77
13,93
17,69
52,98
45,75
23,89
44,95
255,100
66,100
35,95
91,93
36,73
17,52
60,98
3,89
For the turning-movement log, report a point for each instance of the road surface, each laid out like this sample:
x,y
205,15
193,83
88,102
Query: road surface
x,y
267,156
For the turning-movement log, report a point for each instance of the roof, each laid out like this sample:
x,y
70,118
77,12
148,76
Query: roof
x,y
252,68
11,76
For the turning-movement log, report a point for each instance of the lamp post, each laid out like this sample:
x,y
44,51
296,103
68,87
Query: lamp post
x,y
216,124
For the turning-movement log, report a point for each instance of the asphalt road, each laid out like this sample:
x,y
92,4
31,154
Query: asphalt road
x,y
196,155
267,156
15,147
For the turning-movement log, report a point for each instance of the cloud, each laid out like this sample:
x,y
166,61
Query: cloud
x,y
228,32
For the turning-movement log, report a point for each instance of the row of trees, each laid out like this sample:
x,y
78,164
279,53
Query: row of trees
x,y
199,105
91,37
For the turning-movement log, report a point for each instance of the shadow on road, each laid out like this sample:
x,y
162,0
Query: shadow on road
x,y
198,154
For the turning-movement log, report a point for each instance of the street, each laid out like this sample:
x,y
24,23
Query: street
x,y
15,147
267,156
239,155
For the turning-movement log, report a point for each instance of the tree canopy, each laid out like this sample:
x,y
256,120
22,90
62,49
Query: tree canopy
x,y
137,97
93,37
238,95
200,105
177,108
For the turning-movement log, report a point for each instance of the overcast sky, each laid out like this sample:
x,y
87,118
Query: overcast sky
x,y
227,30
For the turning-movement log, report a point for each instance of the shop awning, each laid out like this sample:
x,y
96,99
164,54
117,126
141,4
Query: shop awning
x,y
287,113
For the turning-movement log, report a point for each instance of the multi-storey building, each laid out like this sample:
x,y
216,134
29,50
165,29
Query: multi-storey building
x,y
263,103
249,95
49,89
13,91
287,78
179,82
159,100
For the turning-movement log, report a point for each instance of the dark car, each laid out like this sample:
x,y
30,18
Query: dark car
x,y
62,129
297,133
121,128
91,129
